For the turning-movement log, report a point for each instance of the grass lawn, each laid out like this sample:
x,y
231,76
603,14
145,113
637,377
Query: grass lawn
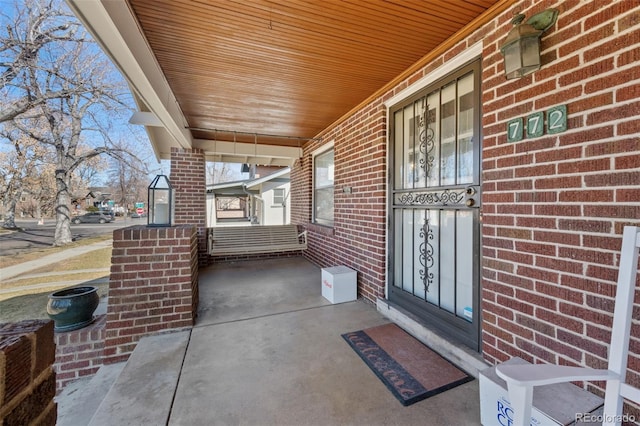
x,y
25,297
6,261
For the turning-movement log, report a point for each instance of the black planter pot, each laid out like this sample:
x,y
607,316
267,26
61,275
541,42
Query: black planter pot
x,y
72,308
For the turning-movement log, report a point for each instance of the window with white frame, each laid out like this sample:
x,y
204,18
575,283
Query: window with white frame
x,y
278,196
323,169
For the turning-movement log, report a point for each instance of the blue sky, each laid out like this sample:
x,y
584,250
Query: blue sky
x,y
120,129
116,121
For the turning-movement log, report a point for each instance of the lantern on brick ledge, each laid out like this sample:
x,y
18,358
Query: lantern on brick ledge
x,y
161,203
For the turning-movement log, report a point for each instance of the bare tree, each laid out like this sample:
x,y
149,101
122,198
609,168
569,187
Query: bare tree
x,y
32,28
219,173
66,123
59,79
22,161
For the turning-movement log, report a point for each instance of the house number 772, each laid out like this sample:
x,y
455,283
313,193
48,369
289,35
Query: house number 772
x,y
533,125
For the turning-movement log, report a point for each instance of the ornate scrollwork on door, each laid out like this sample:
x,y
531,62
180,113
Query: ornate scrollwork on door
x,y
442,198
426,138
426,255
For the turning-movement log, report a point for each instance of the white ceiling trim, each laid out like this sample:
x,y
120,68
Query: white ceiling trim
x,y
264,161
240,152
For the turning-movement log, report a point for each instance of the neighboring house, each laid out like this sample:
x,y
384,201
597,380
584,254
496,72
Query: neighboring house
x,y
28,205
487,209
98,197
257,200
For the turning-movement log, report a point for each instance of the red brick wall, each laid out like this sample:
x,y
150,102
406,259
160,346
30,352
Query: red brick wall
x,y
554,206
79,352
300,197
188,178
357,238
27,379
153,285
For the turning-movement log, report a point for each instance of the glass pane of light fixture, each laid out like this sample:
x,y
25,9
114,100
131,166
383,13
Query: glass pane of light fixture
x,y
512,60
530,55
161,209
160,206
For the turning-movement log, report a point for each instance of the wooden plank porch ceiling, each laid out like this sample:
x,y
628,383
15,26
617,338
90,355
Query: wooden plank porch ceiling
x,y
290,68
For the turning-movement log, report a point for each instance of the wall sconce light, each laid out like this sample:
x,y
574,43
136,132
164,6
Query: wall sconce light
x,y
521,48
161,203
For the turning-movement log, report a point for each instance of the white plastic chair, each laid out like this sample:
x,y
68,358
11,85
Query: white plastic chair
x,y
521,379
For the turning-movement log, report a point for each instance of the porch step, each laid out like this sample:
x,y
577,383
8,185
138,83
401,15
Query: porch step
x,y
79,400
143,392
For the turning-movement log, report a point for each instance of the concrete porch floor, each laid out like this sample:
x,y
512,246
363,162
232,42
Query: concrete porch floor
x,y
267,350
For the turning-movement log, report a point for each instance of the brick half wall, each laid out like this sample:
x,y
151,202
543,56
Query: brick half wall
x,y
153,285
27,379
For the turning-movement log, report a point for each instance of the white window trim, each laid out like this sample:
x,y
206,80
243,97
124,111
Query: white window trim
x,y
318,151
327,146
274,202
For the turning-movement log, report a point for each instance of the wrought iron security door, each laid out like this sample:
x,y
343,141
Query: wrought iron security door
x,y
434,205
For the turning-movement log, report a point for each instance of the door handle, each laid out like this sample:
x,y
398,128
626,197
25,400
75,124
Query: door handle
x,y
472,198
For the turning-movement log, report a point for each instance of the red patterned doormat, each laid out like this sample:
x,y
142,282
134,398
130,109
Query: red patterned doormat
x,y
409,369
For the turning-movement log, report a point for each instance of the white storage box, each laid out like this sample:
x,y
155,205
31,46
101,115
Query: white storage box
x,y
339,284
558,404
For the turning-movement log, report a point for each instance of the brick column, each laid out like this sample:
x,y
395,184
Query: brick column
x,y
153,285
188,177
27,379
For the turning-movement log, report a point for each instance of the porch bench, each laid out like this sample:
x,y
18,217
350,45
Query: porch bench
x,y
230,240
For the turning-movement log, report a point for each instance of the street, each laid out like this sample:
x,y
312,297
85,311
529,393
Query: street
x,y
38,236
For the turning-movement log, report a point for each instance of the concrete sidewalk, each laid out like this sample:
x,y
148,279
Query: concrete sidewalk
x,y
25,267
